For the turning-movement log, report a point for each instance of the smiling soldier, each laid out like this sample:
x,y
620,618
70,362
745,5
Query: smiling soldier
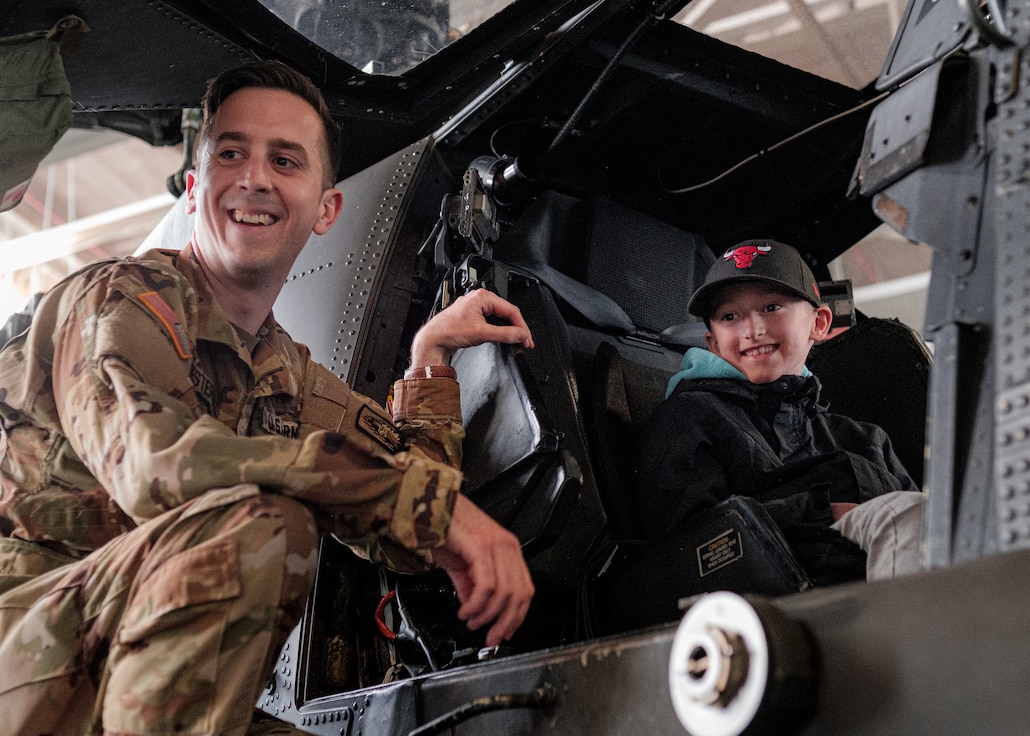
x,y
170,456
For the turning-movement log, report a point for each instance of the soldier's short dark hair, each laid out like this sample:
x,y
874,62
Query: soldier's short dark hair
x,y
274,75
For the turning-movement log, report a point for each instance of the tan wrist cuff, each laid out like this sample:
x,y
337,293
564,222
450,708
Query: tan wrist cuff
x,y
431,371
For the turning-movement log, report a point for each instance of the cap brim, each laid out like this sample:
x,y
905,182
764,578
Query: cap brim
x,y
701,303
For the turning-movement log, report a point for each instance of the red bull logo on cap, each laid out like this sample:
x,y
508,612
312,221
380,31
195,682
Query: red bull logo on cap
x,y
744,255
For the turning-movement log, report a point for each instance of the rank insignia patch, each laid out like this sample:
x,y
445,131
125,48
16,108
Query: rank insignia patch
x,y
379,429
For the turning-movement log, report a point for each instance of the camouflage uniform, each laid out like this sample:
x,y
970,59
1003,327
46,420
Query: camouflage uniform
x,y
163,483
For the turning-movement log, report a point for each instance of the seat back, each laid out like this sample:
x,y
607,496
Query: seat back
x,y
648,266
623,396
602,259
525,454
879,371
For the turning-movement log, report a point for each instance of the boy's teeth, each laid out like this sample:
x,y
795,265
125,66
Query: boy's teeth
x,y
263,219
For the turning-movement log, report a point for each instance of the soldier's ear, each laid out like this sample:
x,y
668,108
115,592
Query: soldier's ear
x,y
332,206
191,185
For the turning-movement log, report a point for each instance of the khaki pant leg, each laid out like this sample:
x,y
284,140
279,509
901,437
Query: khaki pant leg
x,y
890,528
55,630
170,629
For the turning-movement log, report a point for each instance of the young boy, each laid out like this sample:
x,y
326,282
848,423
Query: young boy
x,y
744,418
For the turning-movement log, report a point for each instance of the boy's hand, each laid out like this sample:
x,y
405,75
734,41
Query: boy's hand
x,y
839,509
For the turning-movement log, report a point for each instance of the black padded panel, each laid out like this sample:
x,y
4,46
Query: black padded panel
x,y
525,456
878,371
648,266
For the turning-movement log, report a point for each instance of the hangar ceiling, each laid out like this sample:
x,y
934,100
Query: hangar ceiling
x,y
100,193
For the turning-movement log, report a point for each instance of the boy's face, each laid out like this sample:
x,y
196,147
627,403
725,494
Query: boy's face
x,y
765,332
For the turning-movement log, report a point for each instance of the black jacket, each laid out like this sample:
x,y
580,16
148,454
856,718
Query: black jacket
x,y
716,437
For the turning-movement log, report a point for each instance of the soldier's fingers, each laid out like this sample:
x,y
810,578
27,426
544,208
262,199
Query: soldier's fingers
x,y
512,606
483,586
508,602
507,624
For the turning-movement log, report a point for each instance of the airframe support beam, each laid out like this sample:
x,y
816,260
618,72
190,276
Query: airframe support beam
x,y
1011,344
928,163
960,519
957,179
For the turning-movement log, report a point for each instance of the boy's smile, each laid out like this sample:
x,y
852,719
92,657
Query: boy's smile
x,y
759,351
763,331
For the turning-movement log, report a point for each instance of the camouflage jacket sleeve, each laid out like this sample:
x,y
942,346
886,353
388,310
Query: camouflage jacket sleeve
x,y
426,424
426,421
123,389
429,411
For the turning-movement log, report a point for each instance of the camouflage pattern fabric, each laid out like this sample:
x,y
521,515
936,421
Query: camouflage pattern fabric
x,y
163,480
163,629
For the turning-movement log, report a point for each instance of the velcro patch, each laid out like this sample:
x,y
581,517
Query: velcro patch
x,y
153,301
379,428
273,423
325,401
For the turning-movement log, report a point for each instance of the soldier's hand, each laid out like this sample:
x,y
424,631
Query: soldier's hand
x,y
485,563
477,317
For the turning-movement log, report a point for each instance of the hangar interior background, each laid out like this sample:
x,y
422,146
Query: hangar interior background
x,y
100,193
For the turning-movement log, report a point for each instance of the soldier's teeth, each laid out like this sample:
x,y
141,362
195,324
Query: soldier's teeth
x,y
262,219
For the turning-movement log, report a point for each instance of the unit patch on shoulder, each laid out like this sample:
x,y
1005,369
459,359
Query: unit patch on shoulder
x,y
164,313
379,428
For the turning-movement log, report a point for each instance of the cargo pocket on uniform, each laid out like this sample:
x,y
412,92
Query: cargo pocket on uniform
x,y
207,573
163,666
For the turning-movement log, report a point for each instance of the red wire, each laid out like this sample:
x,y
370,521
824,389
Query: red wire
x,y
380,609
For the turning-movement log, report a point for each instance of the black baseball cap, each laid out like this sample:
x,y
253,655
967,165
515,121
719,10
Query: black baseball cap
x,y
756,260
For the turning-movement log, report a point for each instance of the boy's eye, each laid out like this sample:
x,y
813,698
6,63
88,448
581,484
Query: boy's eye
x,y
727,317
772,307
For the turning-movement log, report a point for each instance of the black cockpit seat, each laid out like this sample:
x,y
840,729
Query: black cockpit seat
x,y
879,371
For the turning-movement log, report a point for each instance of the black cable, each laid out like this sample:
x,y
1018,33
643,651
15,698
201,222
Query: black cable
x,y
655,16
779,144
